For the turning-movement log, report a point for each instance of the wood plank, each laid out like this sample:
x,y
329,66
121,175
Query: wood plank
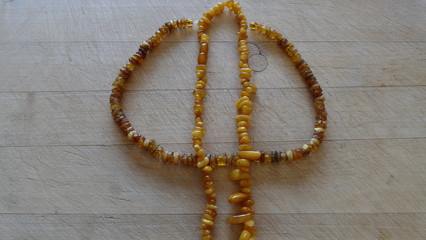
x,y
89,66
408,226
353,176
41,21
83,118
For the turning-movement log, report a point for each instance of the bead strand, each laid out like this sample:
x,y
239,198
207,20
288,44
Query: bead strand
x,y
315,89
204,160
245,156
223,159
117,92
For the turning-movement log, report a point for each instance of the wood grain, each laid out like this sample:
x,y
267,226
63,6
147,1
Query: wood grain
x,y
68,173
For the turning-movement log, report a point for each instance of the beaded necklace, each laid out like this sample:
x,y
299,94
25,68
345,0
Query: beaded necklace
x,y
245,156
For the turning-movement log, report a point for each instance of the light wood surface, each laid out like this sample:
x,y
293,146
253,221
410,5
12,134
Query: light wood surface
x,y
68,173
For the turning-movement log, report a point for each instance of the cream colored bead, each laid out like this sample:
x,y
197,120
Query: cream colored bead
x,y
146,143
130,135
289,155
245,235
175,157
249,223
203,163
318,129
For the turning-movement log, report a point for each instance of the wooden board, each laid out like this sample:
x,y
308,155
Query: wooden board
x,y
68,173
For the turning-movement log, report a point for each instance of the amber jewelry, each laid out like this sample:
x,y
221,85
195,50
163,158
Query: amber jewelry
x,y
245,156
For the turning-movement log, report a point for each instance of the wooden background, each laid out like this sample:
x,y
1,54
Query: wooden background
x,y
68,173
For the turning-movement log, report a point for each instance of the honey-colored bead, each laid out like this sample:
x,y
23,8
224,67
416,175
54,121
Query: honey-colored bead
x,y
204,47
222,160
207,222
239,101
237,219
208,237
244,140
250,155
245,75
207,169
204,232
246,183
202,58
175,158
248,203
244,147
130,135
245,103
198,134
243,163
238,197
203,163
241,130
236,175
242,117
246,109
211,207
243,124
245,235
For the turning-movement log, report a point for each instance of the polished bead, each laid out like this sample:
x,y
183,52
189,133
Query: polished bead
x,y
238,197
245,235
250,155
236,219
243,163
236,175
222,160
242,117
289,154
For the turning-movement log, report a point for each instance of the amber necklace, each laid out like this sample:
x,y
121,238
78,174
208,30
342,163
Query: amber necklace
x,y
245,155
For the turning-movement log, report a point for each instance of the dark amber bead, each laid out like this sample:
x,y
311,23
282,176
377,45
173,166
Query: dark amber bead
x,y
202,58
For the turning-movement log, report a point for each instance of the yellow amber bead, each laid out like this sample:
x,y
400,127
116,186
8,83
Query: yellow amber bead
x,y
250,155
207,222
249,223
244,147
243,163
238,197
236,175
189,22
240,218
222,160
130,135
242,117
245,235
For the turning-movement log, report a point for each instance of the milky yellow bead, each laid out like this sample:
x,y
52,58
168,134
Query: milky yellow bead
x,y
236,175
245,235
203,163
318,129
238,197
175,157
250,155
130,135
207,222
242,117
289,154
249,223
239,101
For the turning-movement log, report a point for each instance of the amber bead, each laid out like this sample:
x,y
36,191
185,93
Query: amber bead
x,y
238,197
241,218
